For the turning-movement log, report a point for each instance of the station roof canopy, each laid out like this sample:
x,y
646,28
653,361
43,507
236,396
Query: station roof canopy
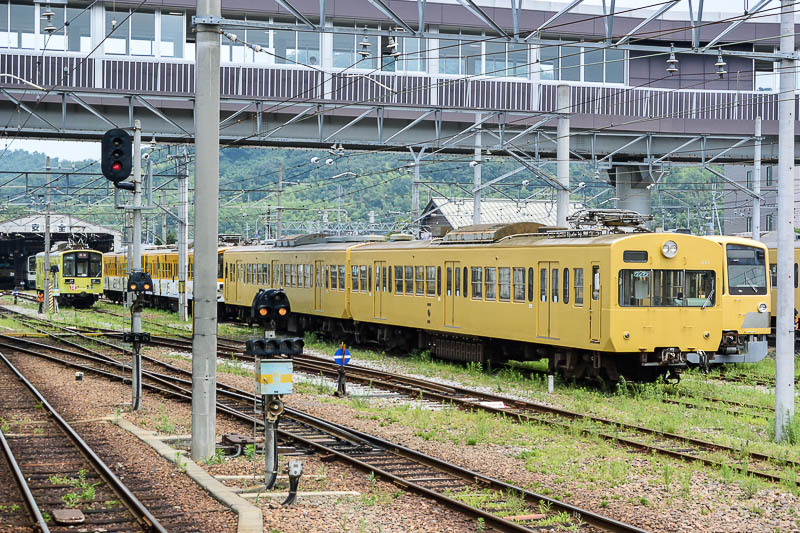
x,y
458,212
59,224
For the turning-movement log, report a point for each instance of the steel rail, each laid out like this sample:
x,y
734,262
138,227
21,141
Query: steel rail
x,y
357,438
140,513
22,484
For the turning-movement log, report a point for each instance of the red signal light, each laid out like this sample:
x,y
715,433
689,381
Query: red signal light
x,y
116,166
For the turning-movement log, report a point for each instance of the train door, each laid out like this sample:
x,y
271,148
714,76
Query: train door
x,y
451,291
594,304
544,297
319,270
380,287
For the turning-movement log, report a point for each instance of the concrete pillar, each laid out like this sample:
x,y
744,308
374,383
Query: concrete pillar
x,y
632,182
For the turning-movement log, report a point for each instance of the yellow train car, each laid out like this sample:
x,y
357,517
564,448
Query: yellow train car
x,y
638,304
773,270
76,276
161,262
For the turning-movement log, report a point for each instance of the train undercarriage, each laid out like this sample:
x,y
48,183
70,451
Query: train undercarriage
x,y
567,362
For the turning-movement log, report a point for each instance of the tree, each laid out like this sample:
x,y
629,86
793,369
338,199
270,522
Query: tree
x,y
172,238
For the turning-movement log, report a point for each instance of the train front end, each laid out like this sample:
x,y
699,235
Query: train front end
x,y
745,301
80,282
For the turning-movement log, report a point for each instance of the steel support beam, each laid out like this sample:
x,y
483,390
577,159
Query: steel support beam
x,y
411,124
563,11
608,19
735,184
159,114
27,109
291,9
758,7
354,121
697,23
91,110
384,8
657,13
473,8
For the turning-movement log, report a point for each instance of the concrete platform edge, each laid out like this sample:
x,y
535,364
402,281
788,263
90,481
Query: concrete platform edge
x,y
251,519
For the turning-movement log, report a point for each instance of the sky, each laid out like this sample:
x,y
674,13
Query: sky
x,y
70,150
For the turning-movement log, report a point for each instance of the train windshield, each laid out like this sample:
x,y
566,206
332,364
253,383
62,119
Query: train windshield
x,y
83,264
32,264
747,269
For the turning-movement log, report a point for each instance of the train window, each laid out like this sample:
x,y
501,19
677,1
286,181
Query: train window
x,y
384,283
327,274
554,285
466,282
342,279
595,283
773,274
438,281
578,281
363,285
369,277
334,281
747,273
634,256
307,276
530,284
430,281
458,282
354,278
490,282
477,283
409,280
398,280
504,278
377,279
543,285
519,284
672,288
449,286
565,281
419,280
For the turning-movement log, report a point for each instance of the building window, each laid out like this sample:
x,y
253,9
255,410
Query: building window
x,y
749,224
765,76
57,39
172,38
575,63
346,47
750,179
21,20
295,47
770,180
770,222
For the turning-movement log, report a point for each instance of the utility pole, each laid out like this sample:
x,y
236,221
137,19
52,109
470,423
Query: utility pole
x,y
784,324
757,182
279,223
562,155
415,221
136,309
476,178
183,235
204,339
47,234
163,217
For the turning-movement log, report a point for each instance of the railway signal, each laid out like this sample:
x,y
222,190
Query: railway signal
x,y
116,157
140,282
270,304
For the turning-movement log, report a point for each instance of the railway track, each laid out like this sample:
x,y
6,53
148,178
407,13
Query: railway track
x,y
503,507
636,437
55,470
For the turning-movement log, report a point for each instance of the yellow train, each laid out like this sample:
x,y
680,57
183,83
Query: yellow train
x,y
161,262
638,304
76,275
772,246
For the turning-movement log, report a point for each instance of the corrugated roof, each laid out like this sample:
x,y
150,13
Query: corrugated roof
x,y
498,211
58,224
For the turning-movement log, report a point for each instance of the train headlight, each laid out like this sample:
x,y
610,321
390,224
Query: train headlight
x,y
263,311
282,311
669,249
762,307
